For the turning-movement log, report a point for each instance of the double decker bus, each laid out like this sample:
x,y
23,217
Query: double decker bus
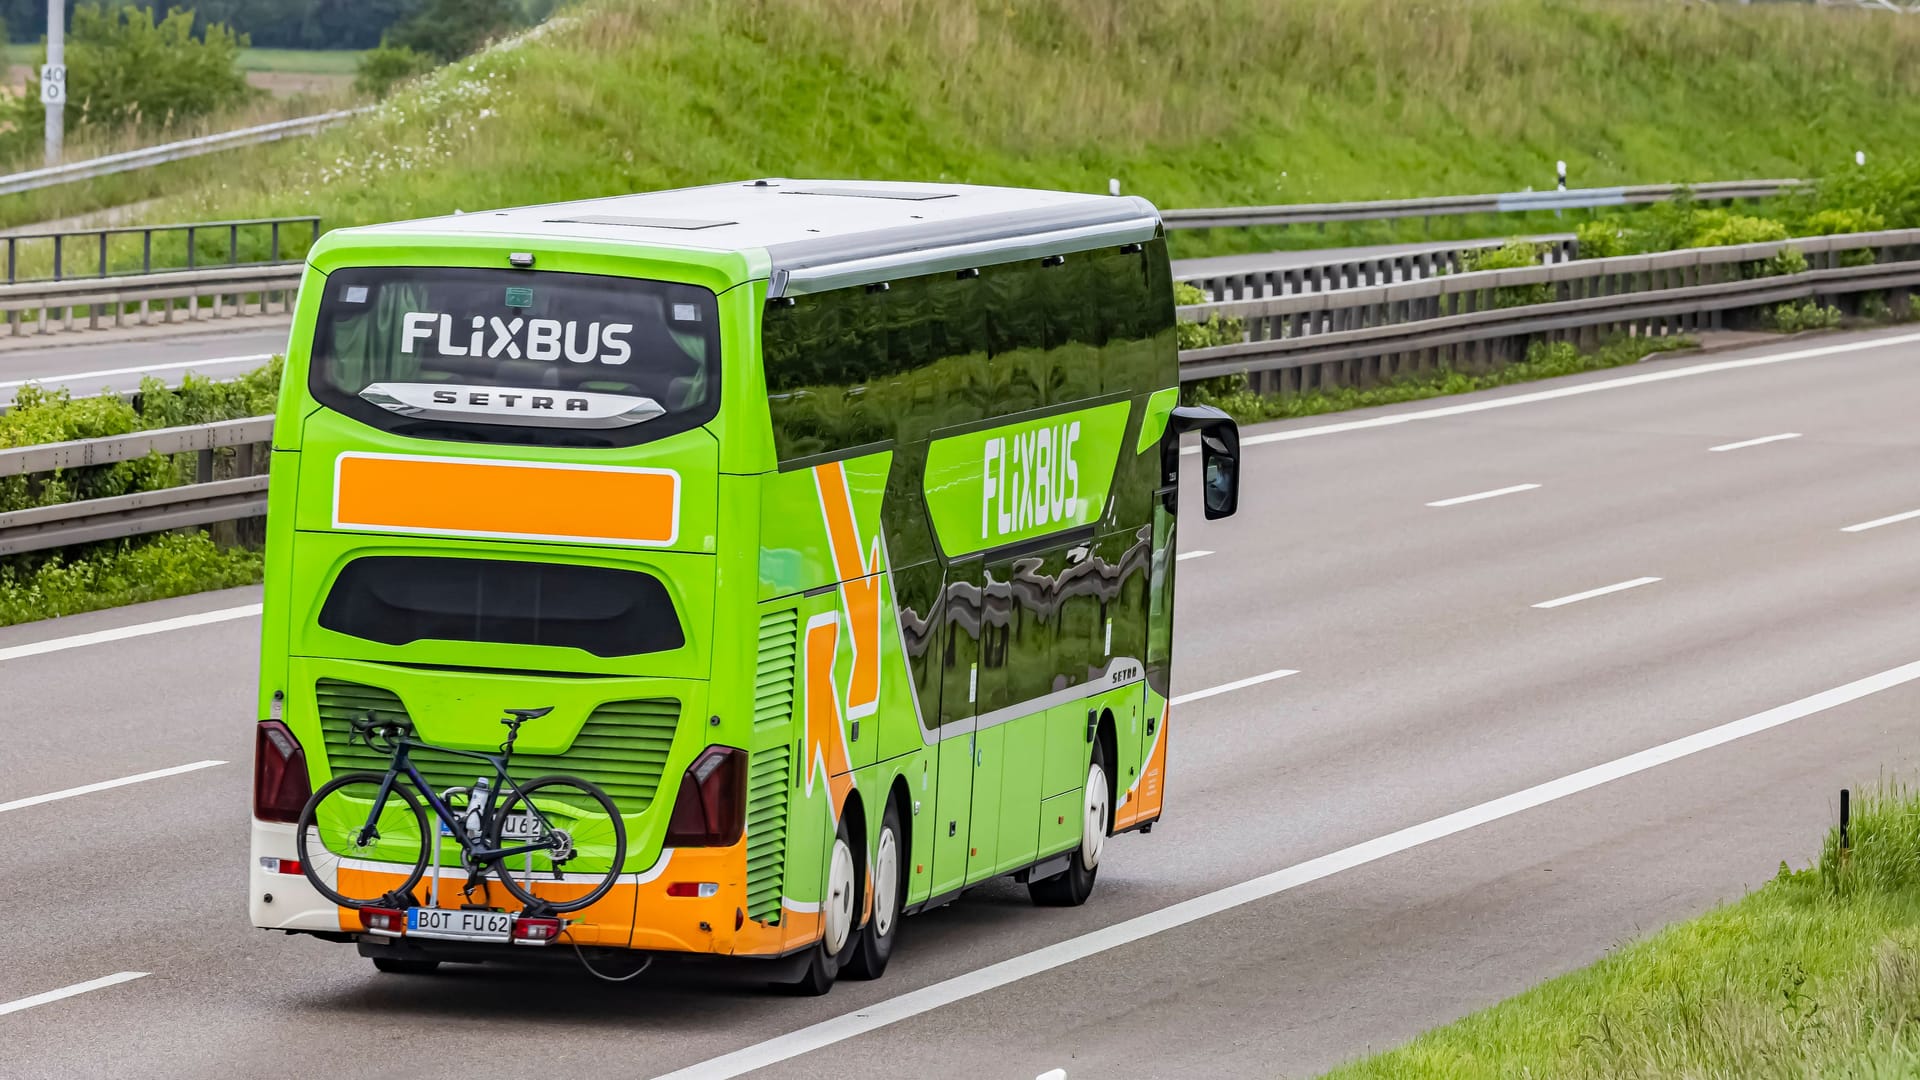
x,y
833,521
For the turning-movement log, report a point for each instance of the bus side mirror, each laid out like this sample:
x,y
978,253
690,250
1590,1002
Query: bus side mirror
x,y
1219,455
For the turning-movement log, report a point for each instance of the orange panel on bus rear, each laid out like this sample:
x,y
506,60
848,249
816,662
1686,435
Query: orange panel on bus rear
x,y
519,500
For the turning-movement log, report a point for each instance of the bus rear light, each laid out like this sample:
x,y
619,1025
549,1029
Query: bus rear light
x,y
712,805
383,921
535,931
700,889
280,785
280,866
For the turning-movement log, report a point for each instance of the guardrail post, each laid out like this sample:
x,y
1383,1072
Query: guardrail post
x,y
56,257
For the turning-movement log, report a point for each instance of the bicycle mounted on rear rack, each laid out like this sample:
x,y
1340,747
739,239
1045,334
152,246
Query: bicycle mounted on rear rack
x,y
366,828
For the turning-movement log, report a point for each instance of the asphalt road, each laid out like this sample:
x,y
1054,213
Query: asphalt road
x,y
1395,884
92,362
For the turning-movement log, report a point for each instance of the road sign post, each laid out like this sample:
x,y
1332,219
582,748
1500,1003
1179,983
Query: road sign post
x,y
53,79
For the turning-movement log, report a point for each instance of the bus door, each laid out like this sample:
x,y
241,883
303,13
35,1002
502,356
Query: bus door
x,y
961,618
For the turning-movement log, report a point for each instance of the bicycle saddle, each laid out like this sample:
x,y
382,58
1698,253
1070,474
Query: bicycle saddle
x,y
516,717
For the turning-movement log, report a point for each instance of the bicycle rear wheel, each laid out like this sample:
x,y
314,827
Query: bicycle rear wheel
x,y
583,842
352,869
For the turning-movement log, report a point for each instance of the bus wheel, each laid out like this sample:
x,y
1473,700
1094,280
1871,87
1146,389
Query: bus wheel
x,y
1072,886
395,966
870,954
838,910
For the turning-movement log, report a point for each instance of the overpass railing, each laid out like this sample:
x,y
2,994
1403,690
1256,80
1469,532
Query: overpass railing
x,y
1346,337
1517,202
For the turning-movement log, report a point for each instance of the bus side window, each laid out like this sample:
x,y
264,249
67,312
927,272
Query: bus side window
x,y
1018,324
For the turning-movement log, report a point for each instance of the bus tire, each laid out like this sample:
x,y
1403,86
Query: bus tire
x,y
869,956
395,966
837,913
1072,886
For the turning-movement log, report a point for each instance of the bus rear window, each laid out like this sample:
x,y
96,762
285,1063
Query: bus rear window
x,y
399,599
517,356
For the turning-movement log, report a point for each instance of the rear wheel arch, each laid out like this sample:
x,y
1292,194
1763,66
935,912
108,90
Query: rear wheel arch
x,y
1109,741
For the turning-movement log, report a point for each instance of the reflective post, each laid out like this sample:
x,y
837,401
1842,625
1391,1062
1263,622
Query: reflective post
x,y
53,79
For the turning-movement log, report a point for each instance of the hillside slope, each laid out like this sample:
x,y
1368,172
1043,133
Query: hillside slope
x,y
1189,102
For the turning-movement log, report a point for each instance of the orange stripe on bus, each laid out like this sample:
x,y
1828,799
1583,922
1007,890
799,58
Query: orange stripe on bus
x,y
500,499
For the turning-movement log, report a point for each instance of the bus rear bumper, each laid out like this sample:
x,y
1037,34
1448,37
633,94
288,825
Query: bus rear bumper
x,y
277,899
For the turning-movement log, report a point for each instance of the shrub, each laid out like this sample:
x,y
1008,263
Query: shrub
x,y
450,29
1788,260
1834,222
1790,318
380,69
123,572
1217,330
1512,255
1600,240
1855,257
1886,192
1721,228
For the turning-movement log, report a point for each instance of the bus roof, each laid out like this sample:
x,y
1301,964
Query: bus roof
x,y
817,235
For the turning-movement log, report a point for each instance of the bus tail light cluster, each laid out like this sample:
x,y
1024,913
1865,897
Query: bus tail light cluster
x,y
711,808
386,922
528,931
280,786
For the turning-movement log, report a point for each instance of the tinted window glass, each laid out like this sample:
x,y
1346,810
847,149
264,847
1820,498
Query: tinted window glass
x,y
395,600
517,356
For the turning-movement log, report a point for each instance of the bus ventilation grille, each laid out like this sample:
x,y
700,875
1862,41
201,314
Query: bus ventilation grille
x,y
622,747
779,664
767,832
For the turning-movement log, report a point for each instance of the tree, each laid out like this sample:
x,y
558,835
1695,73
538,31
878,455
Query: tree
x,y
381,68
450,29
129,68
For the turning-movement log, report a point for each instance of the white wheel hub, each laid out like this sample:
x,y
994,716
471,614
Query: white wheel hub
x,y
886,882
840,898
1093,834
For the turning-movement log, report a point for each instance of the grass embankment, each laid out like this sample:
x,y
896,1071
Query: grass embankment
x,y
1817,973
1190,102
94,576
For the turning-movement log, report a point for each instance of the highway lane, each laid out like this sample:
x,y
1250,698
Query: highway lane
x,y
1427,682
115,361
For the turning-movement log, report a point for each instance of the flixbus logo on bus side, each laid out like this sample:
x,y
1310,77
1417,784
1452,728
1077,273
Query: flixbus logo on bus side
x,y
1012,483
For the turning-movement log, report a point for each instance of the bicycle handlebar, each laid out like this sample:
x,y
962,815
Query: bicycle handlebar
x,y
387,732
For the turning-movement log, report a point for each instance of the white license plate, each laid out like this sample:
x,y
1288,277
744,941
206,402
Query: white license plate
x,y
459,925
520,827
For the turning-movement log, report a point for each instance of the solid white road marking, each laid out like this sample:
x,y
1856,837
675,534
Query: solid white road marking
x,y
143,369
1235,685
104,785
1185,555
1478,495
70,991
994,976
1762,441
1601,591
121,633
1570,391
1877,522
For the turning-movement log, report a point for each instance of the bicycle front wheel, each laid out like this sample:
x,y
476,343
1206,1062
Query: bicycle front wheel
x,y
576,839
352,850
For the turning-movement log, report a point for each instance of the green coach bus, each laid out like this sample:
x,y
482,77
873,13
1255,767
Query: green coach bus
x,y
832,522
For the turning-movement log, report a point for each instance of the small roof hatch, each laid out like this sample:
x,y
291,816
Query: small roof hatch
x,y
683,224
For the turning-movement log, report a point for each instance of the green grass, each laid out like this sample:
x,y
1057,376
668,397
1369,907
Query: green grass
x,y
1816,974
1189,102
1543,361
301,61
127,572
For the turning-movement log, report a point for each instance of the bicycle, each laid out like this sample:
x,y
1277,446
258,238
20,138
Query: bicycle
x,y
373,822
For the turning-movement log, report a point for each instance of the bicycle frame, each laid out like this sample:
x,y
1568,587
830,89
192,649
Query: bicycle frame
x,y
403,763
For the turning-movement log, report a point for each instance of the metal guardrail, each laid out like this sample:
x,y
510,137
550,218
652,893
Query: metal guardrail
x,y
1519,202
1289,276
206,502
1475,321
148,156
49,306
96,248
1294,342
